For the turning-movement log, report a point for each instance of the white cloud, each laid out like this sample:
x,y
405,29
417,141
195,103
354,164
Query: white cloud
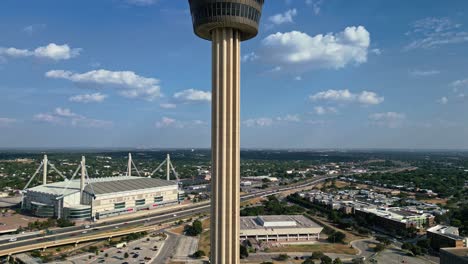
x,y
289,118
369,98
286,17
260,122
275,69
65,116
322,110
423,73
6,122
365,97
31,29
443,100
168,106
51,51
192,95
142,2
388,119
316,5
64,112
48,118
88,98
376,51
298,78
167,122
335,51
249,57
334,95
433,32
130,84
460,83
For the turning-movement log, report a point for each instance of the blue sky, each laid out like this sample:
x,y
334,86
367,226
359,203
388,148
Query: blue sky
x,y
320,74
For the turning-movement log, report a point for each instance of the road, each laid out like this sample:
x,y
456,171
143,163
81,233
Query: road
x,y
169,216
362,247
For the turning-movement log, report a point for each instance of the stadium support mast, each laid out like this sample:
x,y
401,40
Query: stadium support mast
x,y
168,171
44,170
129,173
225,23
83,176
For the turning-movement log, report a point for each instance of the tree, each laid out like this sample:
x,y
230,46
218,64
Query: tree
x,y
336,237
282,257
424,243
379,247
325,260
317,254
199,254
358,261
195,229
407,246
383,240
126,255
416,250
244,253
337,261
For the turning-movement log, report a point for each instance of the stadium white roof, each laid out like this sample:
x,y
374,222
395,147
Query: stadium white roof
x,y
101,185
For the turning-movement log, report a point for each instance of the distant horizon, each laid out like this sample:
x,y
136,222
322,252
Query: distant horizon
x,y
157,149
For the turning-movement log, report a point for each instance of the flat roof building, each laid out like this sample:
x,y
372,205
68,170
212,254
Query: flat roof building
x,y
396,218
442,236
280,228
453,255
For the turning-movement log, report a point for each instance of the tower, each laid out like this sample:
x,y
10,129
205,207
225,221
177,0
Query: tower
x,y
225,23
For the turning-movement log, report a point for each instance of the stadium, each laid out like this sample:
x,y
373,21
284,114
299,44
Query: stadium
x,y
98,198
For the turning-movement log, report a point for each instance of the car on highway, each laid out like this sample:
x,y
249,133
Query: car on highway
x,y
13,239
84,232
86,226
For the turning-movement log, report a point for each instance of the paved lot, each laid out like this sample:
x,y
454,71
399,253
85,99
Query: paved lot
x,y
185,248
167,251
394,256
11,220
363,247
116,256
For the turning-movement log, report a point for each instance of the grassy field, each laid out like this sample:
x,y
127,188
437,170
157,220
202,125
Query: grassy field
x,y
204,242
327,248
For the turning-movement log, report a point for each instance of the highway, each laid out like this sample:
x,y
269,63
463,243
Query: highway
x,y
7,248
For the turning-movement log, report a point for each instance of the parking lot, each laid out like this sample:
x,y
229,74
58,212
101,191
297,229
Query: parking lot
x,y
395,256
139,251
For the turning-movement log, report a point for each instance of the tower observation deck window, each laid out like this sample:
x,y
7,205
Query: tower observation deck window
x,y
226,9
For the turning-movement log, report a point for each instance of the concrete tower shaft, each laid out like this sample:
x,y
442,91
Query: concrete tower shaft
x,y
226,23
225,145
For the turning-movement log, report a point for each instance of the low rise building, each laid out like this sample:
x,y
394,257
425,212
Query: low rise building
x,y
396,218
442,236
453,255
280,228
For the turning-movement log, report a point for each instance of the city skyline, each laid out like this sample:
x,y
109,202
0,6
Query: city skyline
x,y
107,74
